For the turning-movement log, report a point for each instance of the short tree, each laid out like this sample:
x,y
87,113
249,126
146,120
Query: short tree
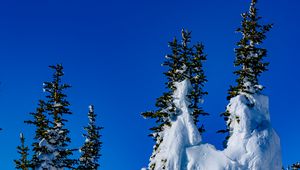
x,y
22,163
90,151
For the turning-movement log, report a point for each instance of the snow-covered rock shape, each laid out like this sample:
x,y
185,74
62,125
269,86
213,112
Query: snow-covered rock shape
x,y
182,134
253,143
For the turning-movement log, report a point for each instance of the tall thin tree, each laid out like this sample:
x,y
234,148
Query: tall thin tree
x,y
90,151
41,123
185,62
23,163
56,106
249,59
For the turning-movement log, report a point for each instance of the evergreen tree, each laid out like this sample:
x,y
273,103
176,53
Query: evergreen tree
x,y
41,123
50,148
198,80
249,58
57,140
90,151
23,163
185,62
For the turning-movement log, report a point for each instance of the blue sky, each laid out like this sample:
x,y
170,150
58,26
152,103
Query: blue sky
x,y
112,51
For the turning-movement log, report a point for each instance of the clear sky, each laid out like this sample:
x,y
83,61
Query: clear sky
x,y
112,51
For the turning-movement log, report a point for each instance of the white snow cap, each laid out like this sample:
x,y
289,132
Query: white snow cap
x,y
21,135
91,108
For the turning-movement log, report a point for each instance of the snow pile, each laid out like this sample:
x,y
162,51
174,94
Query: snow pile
x,y
182,134
253,143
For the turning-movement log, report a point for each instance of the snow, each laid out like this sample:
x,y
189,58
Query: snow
x,y
21,135
56,105
253,143
47,159
91,108
182,70
206,157
52,151
174,144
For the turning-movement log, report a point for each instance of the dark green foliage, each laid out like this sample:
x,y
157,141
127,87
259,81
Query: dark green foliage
x,y
249,54
51,136
90,151
23,163
198,79
56,106
41,123
185,62
249,58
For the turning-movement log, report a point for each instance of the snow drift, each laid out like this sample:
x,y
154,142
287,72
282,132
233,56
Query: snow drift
x,y
253,143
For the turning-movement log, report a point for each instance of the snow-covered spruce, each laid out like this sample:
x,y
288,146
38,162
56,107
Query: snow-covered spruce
x,y
184,63
253,145
181,135
51,139
249,60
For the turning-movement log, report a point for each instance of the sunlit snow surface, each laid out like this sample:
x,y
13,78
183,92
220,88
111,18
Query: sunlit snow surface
x,y
253,144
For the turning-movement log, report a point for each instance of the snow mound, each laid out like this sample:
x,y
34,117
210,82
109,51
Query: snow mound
x,y
206,157
182,134
253,143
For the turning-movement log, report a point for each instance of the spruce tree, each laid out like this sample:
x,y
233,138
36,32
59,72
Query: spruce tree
x,y
185,62
198,80
56,141
90,151
41,123
50,147
249,58
23,163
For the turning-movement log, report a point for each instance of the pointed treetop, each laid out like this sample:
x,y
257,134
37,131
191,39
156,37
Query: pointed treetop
x,y
186,37
22,136
58,68
91,108
22,163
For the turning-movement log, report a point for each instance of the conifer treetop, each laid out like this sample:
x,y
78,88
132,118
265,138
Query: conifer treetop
x,y
90,151
249,53
56,140
23,163
249,59
184,62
